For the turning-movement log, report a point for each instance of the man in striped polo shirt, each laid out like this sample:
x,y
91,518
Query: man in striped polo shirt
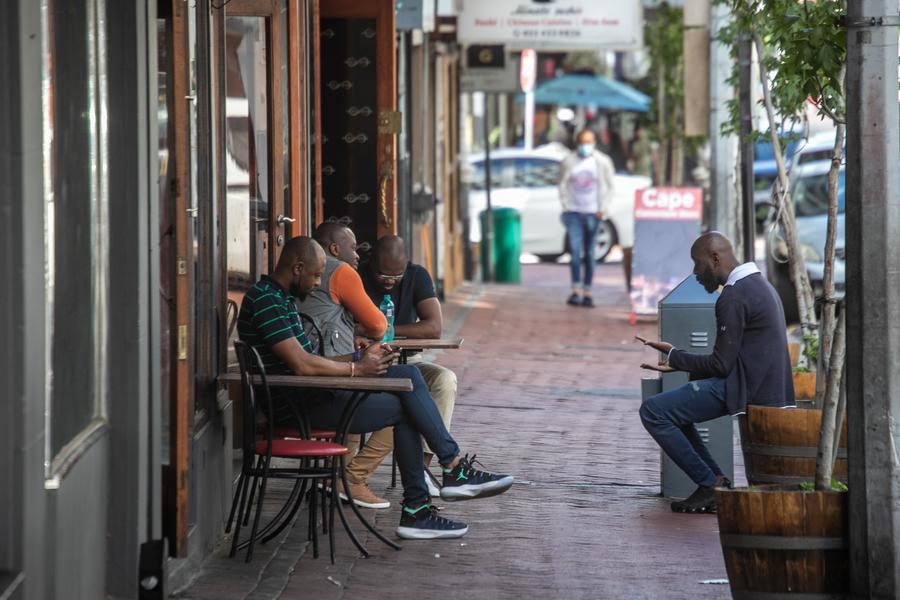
x,y
270,323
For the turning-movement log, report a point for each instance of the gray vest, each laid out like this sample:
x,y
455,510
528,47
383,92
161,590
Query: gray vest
x,y
329,325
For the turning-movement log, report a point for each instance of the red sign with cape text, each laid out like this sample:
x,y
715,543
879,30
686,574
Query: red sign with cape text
x,y
666,223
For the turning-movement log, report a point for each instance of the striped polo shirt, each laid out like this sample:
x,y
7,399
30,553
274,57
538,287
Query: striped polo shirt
x,y
268,316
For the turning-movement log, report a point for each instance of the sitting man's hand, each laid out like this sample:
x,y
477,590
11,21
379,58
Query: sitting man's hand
x,y
375,361
662,367
361,342
664,347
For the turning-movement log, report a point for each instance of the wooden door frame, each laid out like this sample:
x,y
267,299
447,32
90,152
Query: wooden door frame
x,y
298,85
383,11
181,397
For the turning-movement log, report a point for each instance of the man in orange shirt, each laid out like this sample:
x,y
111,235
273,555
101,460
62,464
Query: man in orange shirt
x,y
337,311
339,308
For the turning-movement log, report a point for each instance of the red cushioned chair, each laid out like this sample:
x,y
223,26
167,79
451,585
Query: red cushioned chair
x,y
318,460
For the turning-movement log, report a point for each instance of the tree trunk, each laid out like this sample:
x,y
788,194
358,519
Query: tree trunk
x,y
841,412
827,435
828,319
799,276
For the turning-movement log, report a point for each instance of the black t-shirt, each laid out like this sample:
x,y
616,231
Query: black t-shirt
x,y
415,286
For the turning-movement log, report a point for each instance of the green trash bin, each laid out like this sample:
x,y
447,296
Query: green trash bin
x,y
507,245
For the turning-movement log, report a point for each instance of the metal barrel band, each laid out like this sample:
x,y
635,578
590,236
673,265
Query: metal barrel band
x,y
789,451
753,595
780,542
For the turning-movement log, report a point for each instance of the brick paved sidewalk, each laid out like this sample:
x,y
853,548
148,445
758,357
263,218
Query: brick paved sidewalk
x,y
550,394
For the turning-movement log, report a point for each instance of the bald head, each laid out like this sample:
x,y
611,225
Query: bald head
x,y
300,267
330,233
338,241
389,260
299,249
713,242
391,247
714,259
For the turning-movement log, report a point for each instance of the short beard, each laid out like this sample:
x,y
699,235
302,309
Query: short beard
x,y
709,284
296,292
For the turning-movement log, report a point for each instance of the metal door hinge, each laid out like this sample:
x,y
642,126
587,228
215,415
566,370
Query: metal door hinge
x,y
390,122
182,342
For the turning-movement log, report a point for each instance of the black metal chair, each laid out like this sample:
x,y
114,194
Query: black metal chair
x,y
261,449
311,452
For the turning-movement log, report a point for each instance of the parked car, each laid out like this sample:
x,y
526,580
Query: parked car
x,y
809,191
765,170
527,180
818,147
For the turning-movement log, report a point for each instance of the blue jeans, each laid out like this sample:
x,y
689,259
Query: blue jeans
x,y
582,229
669,417
413,416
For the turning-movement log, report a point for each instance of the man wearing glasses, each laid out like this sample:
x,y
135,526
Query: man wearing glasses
x,y
417,315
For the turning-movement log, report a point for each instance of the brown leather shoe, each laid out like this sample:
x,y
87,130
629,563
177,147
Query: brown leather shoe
x,y
362,496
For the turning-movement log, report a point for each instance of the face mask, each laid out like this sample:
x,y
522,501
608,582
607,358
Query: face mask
x,y
585,150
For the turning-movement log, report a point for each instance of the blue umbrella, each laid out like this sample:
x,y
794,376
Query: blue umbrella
x,y
595,90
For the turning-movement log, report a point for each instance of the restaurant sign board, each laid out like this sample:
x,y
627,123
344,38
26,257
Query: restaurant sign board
x,y
666,223
552,24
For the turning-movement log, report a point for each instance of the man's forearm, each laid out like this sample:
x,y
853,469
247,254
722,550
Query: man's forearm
x,y
419,330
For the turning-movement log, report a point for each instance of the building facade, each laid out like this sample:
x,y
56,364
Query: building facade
x,y
154,158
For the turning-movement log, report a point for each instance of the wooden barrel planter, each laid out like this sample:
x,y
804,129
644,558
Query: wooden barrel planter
x,y
804,386
780,445
781,542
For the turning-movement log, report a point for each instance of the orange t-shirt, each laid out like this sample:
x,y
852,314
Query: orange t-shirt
x,y
347,290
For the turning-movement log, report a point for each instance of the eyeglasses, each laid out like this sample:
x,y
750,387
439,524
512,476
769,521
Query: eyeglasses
x,y
388,278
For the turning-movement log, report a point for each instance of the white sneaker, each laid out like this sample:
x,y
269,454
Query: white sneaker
x,y
433,490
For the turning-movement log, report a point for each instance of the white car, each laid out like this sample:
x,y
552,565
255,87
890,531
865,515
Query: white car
x,y
527,180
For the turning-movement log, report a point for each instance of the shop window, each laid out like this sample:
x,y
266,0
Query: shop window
x,y
76,237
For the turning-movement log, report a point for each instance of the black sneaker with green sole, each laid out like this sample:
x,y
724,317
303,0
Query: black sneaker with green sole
x,y
424,523
465,482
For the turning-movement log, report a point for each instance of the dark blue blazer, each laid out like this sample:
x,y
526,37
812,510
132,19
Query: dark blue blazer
x,y
751,347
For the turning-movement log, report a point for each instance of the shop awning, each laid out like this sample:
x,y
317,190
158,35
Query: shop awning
x,y
594,90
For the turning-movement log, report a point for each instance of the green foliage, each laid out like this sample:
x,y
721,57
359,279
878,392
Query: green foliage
x,y
805,52
811,348
664,39
836,486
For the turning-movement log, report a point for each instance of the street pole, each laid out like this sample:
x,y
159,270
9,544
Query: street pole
x,y
487,236
722,213
873,298
529,119
748,219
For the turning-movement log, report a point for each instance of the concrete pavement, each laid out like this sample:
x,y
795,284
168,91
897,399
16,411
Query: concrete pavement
x,y
550,394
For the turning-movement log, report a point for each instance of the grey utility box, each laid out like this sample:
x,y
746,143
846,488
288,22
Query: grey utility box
x,y
687,320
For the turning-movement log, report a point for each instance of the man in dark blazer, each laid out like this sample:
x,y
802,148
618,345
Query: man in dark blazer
x,y
749,365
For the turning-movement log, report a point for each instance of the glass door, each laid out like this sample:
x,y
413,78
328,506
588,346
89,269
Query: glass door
x,y
254,149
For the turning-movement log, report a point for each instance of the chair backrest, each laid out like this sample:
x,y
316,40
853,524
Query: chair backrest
x,y
249,364
231,317
313,333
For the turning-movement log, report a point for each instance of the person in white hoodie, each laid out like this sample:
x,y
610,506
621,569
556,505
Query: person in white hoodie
x,y
585,190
